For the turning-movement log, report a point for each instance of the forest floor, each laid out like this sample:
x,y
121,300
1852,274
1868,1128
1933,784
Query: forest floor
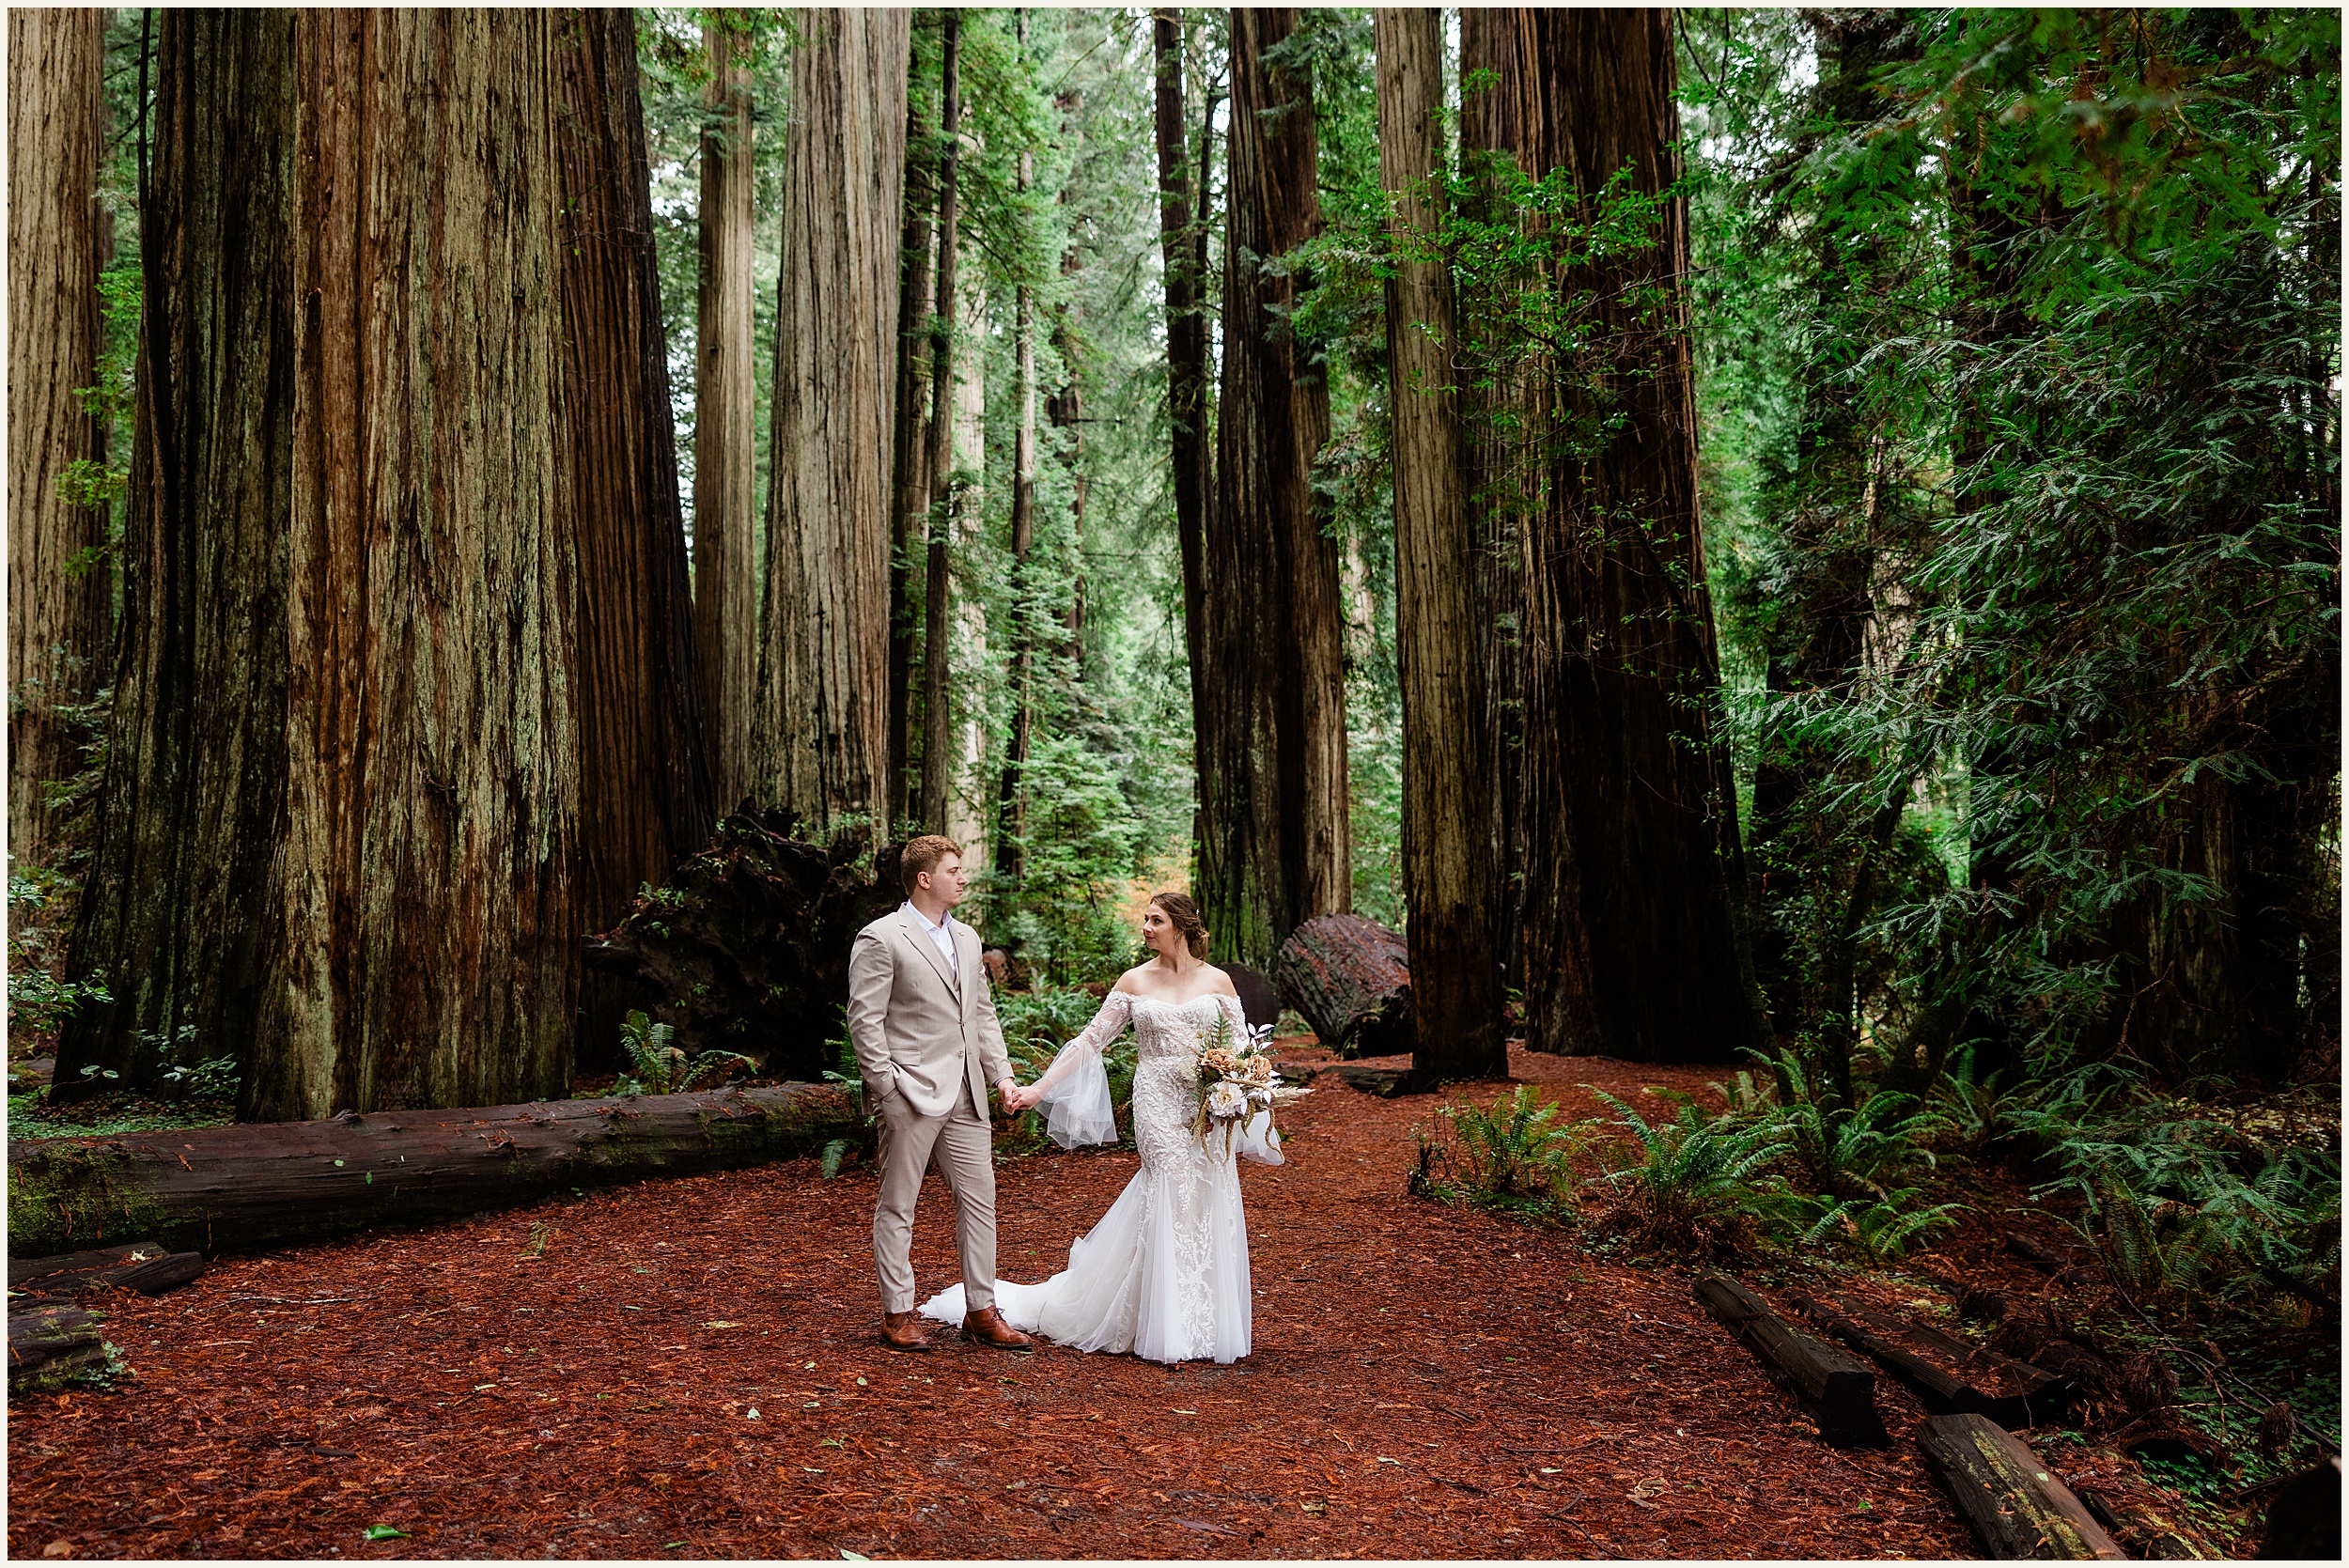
x,y
688,1368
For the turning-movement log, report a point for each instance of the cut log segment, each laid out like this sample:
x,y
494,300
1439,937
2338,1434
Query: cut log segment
x,y
1838,1393
144,1267
2145,1535
2014,1505
1947,1373
216,1188
1351,980
48,1343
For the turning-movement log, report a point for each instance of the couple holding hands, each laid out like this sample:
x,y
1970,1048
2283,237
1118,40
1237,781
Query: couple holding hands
x,y
1164,1274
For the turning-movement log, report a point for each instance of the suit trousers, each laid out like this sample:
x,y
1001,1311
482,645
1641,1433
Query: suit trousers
x,y
962,1143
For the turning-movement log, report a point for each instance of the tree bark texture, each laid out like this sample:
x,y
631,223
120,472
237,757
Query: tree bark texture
x,y
1013,816
910,483
938,771
644,795
1447,839
1274,849
59,615
725,583
239,1188
1500,487
1350,978
1182,236
820,741
341,807
1633,946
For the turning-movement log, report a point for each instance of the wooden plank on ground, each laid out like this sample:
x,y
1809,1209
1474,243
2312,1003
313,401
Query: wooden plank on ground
x,y
2016,1506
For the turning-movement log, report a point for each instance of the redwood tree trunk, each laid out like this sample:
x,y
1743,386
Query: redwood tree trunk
x,y
726,585
938,769
341,806
1447,843
645,796
1013,815
1632,857
59,606
820,741
1274,846
909,491
1181,234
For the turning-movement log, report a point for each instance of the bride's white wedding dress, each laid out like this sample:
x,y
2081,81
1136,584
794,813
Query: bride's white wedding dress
x,y
1164,1275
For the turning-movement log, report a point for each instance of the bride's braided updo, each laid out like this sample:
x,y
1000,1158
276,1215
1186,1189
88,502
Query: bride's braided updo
x,y
1182,914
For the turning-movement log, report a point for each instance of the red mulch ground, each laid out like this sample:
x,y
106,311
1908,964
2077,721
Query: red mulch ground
x,y
1427,1381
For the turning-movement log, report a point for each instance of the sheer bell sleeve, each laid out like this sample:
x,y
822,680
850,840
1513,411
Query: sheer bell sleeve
x,y
1255,1139
1075,1090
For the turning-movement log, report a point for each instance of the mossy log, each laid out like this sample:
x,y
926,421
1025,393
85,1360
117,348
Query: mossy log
x,y
2014,1505
214,1189
48,1343
746,948
1351,980
1836,1391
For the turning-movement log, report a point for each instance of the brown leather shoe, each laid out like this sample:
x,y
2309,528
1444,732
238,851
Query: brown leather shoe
x,y
987,1326
902,1331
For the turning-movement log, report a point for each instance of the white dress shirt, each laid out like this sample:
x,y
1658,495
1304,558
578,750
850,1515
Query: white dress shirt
x,y
941,937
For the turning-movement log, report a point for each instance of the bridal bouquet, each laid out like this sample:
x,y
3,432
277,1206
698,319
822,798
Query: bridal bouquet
x,y
1237,1085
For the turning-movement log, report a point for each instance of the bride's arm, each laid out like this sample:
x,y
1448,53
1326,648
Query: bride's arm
x,y
1116,1008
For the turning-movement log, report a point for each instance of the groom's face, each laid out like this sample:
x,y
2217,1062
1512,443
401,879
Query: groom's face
x,y
948,880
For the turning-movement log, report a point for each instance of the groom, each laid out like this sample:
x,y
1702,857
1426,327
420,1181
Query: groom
x,y
923,1022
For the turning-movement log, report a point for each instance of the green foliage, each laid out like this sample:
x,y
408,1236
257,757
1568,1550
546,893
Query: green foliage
x,y
1515,1156
660,1068
1695,1186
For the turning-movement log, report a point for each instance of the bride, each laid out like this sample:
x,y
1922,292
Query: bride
x,y
1164,1275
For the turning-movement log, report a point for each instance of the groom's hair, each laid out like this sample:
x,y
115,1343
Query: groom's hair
x,y
923,854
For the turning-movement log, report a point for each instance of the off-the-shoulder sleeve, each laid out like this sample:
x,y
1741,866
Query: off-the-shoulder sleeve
x,y
1074,1089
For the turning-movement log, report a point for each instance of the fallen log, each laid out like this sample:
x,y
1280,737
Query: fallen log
x,y
2142,1532
144,1267
1258,1001
1838,1393
2014,1505
1351,980
211,1189
48,1343
1941,1391
1962,1375
746,948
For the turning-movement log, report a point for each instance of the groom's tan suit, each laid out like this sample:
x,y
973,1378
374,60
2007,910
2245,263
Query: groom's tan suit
x,y
927,1044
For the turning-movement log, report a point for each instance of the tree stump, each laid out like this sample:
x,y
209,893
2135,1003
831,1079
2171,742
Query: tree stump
x,y
1836,1391
2014,1505
746,949
1351,979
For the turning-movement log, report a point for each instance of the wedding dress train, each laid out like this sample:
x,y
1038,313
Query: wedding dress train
x,y
1164,1274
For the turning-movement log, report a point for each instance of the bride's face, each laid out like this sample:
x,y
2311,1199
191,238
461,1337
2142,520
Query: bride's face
x,y
1158,932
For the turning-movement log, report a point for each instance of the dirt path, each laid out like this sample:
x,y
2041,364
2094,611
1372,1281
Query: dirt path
x,y
1426,1382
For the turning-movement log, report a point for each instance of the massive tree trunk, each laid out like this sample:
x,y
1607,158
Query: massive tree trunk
x,y
910,485
725,587
820,741
937,588
338,824
645,797
1274,844
59,603
1013,815
1182,242
1632,858
1447,843
1498,86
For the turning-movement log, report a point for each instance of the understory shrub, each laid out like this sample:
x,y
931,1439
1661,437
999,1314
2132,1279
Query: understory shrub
x,y
1516,1156
1697,1184
658,1067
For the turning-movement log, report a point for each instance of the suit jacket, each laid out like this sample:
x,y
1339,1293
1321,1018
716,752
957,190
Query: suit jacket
x,y
918,1029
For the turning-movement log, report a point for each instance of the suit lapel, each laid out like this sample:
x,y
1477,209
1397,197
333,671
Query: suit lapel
x,y
912,925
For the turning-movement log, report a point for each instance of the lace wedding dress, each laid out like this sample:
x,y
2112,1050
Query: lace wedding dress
x,y
1164,1274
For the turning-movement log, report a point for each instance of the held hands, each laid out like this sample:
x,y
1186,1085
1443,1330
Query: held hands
x,y
1018,1097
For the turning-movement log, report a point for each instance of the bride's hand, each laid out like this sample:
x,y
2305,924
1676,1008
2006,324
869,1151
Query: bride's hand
x,y
1018,1097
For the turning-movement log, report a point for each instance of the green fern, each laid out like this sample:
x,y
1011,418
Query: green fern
x,y
660,1067
1694,1185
